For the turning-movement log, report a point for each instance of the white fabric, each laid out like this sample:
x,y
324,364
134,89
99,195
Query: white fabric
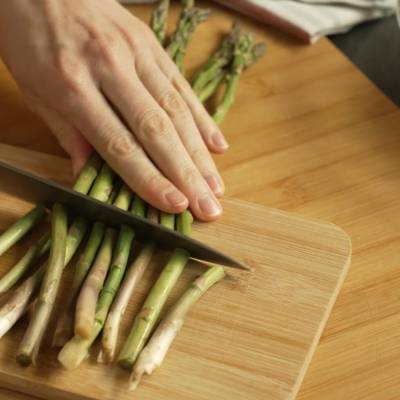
x,y
309,19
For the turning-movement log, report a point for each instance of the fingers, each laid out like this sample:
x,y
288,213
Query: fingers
x,y
105,131
71,140
173,104
209,130
156,133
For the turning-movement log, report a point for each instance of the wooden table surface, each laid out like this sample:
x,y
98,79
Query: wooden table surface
x,y
309,134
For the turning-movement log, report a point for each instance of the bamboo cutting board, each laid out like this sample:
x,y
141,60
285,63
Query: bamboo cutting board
x,y
250,337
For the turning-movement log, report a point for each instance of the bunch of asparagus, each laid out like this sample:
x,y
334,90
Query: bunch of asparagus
x,y
104,278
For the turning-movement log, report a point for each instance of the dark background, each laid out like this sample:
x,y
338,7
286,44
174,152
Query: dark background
x,y
374,48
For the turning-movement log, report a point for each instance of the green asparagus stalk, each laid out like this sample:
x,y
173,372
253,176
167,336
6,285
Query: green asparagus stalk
x,y
14,308
103,190
154,353
191,17
19,269
87,299
32,340
210,88
20,228
167,220
65,324
76,349
16,305
244,55
159,20
148,316
220,59
129,284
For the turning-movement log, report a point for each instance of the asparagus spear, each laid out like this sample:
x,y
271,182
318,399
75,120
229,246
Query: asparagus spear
x,y
103,190
244,55
159,20
147,317
19,229
16,305
154,353
32,340
76,349
12,310
191,17
217,61
18,270
132,278
87,299
210,88
65,324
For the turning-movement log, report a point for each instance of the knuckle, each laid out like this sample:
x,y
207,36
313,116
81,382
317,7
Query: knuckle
x,y
181,84
189,175
173,103
122,146
198,155
70,71
153,183
154,125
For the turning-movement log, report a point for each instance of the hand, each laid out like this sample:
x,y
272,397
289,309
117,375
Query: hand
x,y
98,77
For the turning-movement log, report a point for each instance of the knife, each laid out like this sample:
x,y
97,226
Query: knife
x,y
35,189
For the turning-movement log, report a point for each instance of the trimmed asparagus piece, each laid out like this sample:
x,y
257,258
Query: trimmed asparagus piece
x,y
87,299
32,340
12,310
102,190
159,20
148,316
154,353
20,228
76,349
18,270
131,279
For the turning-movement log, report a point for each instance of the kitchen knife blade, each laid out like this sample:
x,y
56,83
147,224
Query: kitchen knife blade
x,y
35,189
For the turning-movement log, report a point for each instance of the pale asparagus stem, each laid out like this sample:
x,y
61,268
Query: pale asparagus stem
x,y
102,190
217,61
150,311
87,299
76,349
20,228
65,324
154,352
130,282
14,308
159,20
29,258
32,340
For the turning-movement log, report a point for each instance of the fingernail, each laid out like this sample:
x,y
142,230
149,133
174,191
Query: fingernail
x,y
209,205
176,199
219,141
215,184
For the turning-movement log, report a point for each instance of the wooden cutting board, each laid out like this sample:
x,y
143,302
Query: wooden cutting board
x,y
250,337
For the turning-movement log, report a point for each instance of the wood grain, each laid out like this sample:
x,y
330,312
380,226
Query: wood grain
x,y
253,337
308,133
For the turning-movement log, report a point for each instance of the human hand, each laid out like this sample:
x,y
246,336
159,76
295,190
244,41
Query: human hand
x,y
98,77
